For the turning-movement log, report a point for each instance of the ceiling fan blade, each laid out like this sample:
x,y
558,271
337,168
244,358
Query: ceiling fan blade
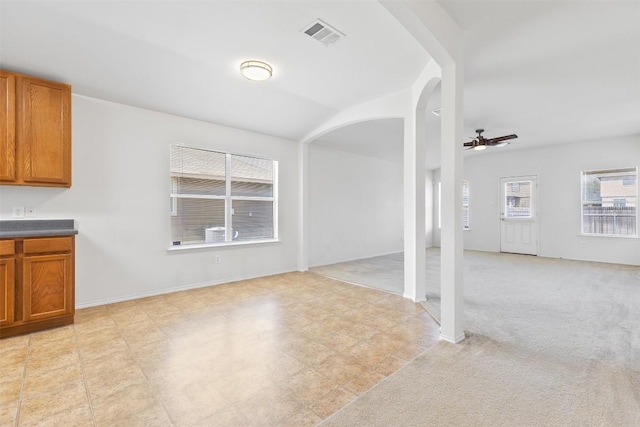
x,y
469,144
498,140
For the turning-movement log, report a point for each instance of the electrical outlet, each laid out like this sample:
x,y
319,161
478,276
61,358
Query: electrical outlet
x,y
17,212
30,212
217,259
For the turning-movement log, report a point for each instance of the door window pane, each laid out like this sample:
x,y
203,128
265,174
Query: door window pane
x,y
517,203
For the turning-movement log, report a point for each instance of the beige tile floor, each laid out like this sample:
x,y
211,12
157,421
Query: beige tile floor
x,y
284,350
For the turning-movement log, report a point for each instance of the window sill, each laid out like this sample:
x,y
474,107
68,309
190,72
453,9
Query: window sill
x,y
615,236
198,246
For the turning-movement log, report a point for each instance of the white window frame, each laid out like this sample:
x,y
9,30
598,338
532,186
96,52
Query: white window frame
x,y
228,198
582,202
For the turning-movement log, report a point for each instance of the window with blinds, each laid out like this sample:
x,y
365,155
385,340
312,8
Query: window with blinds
x,y
465,205
219,198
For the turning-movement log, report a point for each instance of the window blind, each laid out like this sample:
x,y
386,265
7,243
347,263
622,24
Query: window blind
x,y
221,197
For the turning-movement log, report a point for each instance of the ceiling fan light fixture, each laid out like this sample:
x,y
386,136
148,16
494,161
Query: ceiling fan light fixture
x,y
256,70
481,143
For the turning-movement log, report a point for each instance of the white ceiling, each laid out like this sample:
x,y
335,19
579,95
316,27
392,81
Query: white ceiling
x,y
550,71
183,57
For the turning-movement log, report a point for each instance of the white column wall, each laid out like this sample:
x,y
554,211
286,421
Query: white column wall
x,y
451,251
414,206
444,40
303,232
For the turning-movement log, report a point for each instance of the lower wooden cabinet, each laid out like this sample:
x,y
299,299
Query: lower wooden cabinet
x,y
7,282
45,286
37,284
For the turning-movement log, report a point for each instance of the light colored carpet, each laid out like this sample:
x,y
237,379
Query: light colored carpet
x,y
552,342
552,306
483,383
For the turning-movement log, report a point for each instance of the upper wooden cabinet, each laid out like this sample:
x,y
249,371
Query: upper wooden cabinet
x,y
35,131
8,127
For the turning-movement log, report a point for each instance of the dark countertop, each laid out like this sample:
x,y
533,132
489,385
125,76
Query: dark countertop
x,y
37,228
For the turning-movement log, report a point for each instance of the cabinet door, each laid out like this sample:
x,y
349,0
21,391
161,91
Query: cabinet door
x,y
44,131
47,286
7,289
7,127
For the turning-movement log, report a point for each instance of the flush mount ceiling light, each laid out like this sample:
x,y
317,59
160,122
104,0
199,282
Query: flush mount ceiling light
x,y
256,70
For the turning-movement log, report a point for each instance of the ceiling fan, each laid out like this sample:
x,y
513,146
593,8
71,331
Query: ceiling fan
x,y
480,142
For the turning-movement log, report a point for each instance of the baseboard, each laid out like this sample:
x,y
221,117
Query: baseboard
x,y
417,300
453,340
354,259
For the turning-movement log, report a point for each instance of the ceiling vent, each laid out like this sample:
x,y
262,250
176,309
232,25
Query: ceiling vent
x,y
323,32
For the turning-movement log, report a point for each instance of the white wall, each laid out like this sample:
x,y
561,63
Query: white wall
x,y
355,206
120,200
558,169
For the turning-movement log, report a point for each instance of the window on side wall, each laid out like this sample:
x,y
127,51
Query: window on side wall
x,y
221,198
610,202
439,205
465,205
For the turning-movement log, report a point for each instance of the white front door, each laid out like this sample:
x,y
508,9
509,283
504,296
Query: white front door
x,y
519,228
